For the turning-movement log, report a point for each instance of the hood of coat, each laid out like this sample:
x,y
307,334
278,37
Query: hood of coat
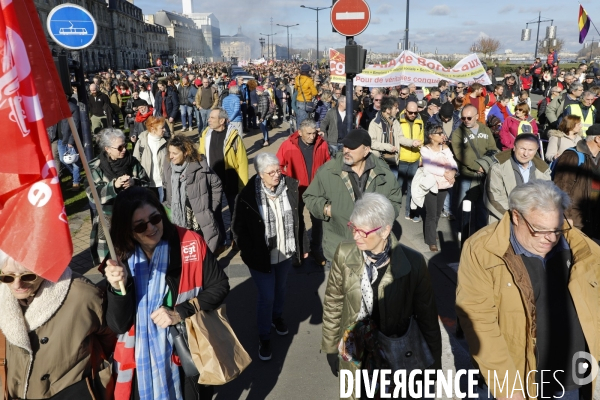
x,y
48,299
556,133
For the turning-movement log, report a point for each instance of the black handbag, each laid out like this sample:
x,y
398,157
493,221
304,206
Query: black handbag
x,y
182,348
407,352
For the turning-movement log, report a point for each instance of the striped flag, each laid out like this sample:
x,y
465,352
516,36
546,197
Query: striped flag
x,y
584,24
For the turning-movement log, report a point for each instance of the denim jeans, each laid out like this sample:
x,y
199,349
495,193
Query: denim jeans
x,y
406,173
186,116
244,108
73,168
448,201
197,117
301,115
479,213
271,295
204,114
265,130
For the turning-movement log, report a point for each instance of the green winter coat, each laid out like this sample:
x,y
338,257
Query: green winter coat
x,y
332,186
405,290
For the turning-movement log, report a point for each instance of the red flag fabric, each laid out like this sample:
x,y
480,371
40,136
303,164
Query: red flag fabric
x,y
33,224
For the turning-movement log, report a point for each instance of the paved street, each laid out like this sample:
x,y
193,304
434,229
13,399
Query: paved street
x,y
298,370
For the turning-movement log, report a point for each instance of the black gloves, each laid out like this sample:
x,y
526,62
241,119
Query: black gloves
x,y
334,363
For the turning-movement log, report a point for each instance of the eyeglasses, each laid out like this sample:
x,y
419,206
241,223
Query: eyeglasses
x,y
26,277
120,148
536,233
360,232
466,118
376,99
273,173
411,112
403,94
154,219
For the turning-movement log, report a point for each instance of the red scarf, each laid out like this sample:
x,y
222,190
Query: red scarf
x,y
503,109
164,106
139,117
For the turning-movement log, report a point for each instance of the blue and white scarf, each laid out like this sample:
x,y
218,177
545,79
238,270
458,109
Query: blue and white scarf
x,y
158,376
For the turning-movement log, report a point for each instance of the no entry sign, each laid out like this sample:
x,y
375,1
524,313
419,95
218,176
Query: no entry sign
x,y
350,17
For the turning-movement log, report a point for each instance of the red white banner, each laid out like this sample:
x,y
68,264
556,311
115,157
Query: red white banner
x,y
33,224
337,66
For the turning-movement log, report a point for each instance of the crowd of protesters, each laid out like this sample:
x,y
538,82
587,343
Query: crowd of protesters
x,y
525,184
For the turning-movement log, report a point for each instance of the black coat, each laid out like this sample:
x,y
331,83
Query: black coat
x,y
249,226
171,103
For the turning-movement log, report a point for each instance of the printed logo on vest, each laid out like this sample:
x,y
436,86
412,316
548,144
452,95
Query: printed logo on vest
x,y
190,251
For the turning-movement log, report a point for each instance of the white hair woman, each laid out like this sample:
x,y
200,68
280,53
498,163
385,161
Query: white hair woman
x,y
266,224
113,171
51,331
376,281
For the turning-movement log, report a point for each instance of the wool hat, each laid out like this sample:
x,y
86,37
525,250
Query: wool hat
x,y
355,138
305,68
436,102
198,82
260,88
140,103
447,110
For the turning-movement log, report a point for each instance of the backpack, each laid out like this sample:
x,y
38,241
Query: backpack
x,y
580,160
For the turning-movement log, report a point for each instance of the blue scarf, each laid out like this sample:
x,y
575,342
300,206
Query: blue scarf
x,y
158,376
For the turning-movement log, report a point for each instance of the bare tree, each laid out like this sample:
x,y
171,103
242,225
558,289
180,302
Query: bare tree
x,y
560,43
486,45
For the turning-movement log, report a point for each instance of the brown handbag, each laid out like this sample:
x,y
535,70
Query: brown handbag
x,y
3,374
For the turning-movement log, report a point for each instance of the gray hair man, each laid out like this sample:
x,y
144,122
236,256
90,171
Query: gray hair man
x,y
515,166
554,110
334,126
225,153
526,298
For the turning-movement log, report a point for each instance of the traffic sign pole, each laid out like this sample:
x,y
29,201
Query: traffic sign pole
x,y
349,92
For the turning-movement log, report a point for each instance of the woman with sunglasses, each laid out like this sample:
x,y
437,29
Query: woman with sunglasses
x,y
113,171
193,191
438,160
379,282
55,337
266,224
163,267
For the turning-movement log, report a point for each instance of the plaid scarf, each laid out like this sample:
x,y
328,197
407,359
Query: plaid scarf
x,y
158,376
280,194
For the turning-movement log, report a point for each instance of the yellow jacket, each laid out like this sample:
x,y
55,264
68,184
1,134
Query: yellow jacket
x,y
305,85
494,302
408,153
236,158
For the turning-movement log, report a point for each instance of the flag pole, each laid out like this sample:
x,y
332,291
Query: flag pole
x,y
101,216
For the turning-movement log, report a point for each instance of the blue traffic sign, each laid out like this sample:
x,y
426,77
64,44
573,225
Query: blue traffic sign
x,y
72,26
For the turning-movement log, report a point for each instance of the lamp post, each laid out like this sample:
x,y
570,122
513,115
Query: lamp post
x,y
317,9
269,46
550,31
406,46
262,46
287,27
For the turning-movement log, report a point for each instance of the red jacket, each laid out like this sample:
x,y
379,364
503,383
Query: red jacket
x,y
510,130
526,81
292,162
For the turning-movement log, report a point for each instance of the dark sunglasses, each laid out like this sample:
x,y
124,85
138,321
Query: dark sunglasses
x,y
411,112
376,99
142,226
10,278
403,94
120,148
466,118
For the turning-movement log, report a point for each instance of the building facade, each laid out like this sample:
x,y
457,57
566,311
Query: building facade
x,y
129,38
157,43
238,45
186,41
99,55
209,24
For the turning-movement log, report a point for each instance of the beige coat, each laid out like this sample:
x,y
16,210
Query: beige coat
x,y
378,143
496,307
66,320
558,142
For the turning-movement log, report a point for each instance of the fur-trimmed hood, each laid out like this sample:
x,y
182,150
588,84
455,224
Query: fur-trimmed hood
x,y
48,299
556,133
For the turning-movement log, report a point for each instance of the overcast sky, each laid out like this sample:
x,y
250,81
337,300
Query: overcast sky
x,y
449,26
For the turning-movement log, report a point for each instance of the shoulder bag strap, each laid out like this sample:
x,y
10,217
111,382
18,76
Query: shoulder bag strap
x,y
3,373
467,131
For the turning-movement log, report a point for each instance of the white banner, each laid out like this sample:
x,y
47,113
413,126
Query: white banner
x,y
409,68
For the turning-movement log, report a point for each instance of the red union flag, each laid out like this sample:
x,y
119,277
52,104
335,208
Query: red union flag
x,y
33,223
